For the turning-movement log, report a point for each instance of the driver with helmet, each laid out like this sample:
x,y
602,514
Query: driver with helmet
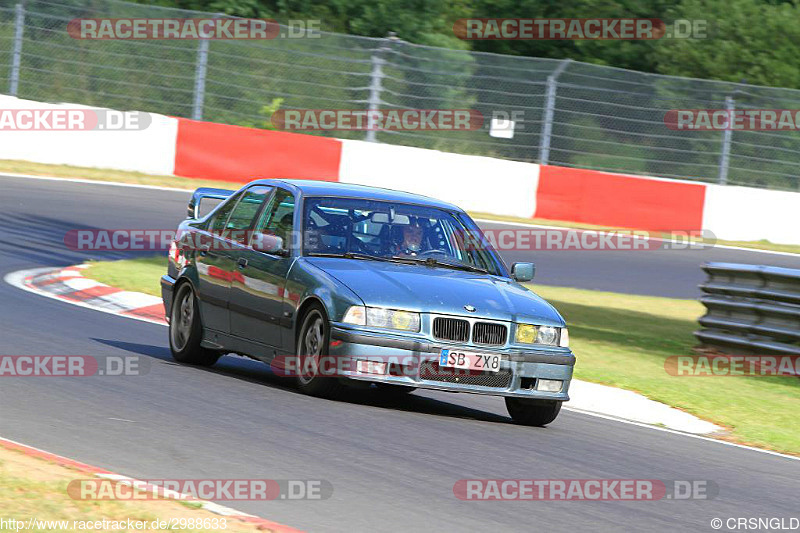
x,y
412,237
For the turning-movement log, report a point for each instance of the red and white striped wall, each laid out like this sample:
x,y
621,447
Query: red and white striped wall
x,y
188,148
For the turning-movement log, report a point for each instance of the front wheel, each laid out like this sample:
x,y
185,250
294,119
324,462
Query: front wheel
x,y
186,332
532,412
312,348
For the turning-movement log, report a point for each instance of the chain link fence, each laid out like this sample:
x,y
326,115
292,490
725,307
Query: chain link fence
x,y
569,113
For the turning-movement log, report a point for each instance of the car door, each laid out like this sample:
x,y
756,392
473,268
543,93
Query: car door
x,y
215,257
258,294
212,268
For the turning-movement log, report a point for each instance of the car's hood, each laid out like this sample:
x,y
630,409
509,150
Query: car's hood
x,y
438,290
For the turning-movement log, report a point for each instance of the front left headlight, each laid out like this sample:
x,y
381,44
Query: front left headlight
x,y
532,334
547,335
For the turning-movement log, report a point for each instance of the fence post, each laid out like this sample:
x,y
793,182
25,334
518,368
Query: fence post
x,y
200,77
725,156
375,87
549,109
19,27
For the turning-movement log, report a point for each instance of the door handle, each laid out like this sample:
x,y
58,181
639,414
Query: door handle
x,y
242,262
204,249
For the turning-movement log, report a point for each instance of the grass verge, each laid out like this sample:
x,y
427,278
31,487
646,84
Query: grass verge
x,y
620,340
102,174
33,488
142,274
120,176
623,340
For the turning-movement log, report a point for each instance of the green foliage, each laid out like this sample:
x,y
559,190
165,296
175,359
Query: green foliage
x,y
266,111
749,40
756,40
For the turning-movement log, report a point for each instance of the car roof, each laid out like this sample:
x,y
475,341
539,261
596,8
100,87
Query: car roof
x,y
351,190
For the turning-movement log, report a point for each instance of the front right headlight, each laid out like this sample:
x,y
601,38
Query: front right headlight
x,y
392,319
379,317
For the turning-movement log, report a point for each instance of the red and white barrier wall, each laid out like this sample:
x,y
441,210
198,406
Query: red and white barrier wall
x,y
182,147
151,150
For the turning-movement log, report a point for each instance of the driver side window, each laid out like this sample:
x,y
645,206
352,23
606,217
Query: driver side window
x,y
277,219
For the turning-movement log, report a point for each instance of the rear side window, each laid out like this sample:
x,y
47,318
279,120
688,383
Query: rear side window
x,y
220,217
240,219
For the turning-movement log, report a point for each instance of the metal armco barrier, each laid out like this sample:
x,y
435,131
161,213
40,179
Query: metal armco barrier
x,y
751,309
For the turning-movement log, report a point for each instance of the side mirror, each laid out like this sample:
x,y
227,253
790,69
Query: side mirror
x,y
523,271
193,210
269,244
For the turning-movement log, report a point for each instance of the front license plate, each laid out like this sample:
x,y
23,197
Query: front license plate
x,y
469,360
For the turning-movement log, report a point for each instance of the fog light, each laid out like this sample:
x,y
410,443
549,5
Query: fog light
x,y
549,385
371,367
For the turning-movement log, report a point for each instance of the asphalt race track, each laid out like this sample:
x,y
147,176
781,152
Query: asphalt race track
x,y
392,463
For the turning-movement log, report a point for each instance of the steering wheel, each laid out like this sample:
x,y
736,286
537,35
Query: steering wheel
x,y
436,251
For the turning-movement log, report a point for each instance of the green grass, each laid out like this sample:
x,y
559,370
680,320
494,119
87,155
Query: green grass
x,y
620,340
623,340
35,488
141,274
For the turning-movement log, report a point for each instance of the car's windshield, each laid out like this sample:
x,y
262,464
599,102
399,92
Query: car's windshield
x,y
402,232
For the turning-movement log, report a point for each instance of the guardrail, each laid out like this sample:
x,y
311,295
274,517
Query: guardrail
x,y
751,308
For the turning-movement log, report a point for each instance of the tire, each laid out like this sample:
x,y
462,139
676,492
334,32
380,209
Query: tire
x,y
313,341
532,412
186,332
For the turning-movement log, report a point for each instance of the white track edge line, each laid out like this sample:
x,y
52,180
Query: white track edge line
x,y
16,279
681,433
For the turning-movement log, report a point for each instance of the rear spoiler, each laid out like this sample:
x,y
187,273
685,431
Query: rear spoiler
x,y
205,192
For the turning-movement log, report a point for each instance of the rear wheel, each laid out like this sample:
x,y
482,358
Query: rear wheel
x,y
532,412
186,332
312,343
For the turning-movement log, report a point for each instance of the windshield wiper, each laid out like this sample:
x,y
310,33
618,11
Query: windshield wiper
x,y
431,261
352,255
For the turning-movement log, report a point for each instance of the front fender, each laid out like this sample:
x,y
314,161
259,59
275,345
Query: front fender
x,y
305,284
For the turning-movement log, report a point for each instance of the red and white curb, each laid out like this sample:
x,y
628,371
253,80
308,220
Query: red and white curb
x,y
69,285
260,523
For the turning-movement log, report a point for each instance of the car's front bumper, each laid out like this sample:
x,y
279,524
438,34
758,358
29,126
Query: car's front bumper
x,y
519,371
